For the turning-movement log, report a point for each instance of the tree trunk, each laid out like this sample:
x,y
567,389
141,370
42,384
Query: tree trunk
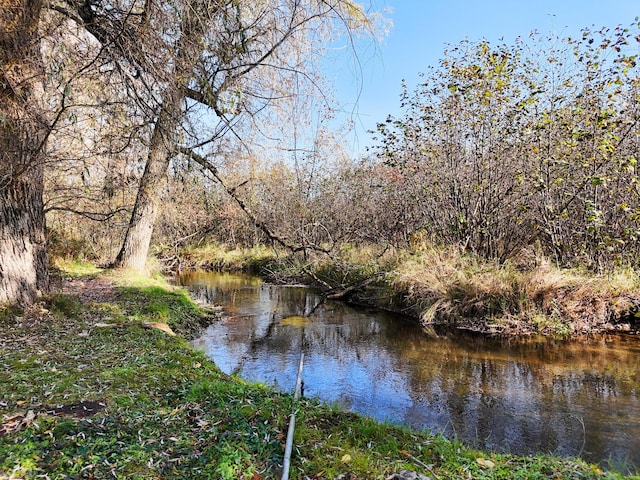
x,y
23,254
23,131
135,247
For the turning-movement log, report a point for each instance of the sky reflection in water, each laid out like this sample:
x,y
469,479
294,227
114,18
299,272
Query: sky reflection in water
x,y
524,397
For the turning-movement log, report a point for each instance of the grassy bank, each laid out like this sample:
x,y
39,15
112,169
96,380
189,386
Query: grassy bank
x,y
93,386
439,285
524,296
212,256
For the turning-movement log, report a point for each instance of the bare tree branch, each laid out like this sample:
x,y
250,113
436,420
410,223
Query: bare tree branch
x,y
282,241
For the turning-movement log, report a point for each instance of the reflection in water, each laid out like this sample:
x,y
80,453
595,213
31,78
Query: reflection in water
x,y
570,398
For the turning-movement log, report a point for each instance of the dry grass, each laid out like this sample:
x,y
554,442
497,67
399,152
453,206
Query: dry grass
x,y
215,256
444,286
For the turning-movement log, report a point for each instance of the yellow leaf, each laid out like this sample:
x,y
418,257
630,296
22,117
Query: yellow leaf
x,y
160,326
295,321
485,463
346,458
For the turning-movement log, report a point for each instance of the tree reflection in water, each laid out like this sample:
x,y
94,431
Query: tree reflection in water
x,y
520,396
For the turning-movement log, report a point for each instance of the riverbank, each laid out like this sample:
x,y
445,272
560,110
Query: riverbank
x,y
95,386
440,286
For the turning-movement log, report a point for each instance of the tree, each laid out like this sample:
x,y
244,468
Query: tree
x,y
458,149
23,135
227,61
96,148
135,247
584,140
505,146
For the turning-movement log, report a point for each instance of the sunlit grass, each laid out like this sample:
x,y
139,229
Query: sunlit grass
x,y
217,256
71,267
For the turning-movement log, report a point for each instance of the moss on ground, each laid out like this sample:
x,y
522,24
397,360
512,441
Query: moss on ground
x,y
88,391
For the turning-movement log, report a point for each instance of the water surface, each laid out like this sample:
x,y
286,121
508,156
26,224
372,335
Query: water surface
x,y
539,395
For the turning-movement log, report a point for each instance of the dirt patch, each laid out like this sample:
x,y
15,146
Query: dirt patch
x,y
81,409
18,421
91,290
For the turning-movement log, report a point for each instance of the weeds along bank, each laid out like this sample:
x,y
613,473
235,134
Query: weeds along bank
x,y
91,387
436,285
442,286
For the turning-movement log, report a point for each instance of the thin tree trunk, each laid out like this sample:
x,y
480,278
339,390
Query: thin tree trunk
x,y
23,254
135,247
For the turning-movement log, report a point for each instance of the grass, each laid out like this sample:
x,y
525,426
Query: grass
x,y
214,256
162,410
441,285
70,267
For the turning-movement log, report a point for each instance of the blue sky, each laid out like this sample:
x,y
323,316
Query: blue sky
x,y
423,28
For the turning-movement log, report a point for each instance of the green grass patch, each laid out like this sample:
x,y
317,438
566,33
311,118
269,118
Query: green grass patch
x,y
76,268
65,305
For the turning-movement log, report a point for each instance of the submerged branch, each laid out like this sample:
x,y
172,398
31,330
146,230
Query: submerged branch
x,y
353,287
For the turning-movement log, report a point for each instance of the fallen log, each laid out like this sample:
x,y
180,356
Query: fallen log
x,y
347,290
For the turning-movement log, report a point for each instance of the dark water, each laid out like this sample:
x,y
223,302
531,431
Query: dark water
x,y
569,398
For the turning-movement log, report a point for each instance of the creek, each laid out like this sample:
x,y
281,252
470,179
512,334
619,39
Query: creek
x,y
523,396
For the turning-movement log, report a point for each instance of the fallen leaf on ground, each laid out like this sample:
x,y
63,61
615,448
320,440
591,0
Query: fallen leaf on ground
x,y
160,326
485,463
408,475
16,422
